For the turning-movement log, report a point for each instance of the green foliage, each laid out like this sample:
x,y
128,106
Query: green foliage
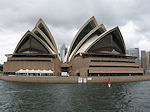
x,y
132,57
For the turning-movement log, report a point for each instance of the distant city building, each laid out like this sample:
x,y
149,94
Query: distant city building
x,y
143,59
63,52
147,62
133,52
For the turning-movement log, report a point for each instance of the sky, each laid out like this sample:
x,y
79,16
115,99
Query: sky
x,y
65,17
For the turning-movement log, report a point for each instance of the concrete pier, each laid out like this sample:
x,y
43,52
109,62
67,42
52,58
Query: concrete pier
x,y
74,79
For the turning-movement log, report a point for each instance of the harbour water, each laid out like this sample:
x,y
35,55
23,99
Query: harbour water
x,y
31,97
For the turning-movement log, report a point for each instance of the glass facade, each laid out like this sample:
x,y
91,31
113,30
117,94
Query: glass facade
x,y
84,32
41,37
108,44
32,60
97,32
112,61
41,27
114,66
31,45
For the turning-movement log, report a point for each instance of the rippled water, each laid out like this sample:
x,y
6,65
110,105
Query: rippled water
x,y
28,97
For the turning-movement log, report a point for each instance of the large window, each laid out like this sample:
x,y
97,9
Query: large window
x,y
112,61
41,37
41,27
85,31
114,74
115,66
32,60
107,45
31,45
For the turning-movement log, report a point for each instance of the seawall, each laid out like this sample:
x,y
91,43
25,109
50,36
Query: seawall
x,y
74,79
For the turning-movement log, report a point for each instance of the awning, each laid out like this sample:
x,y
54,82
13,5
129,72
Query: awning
x,y
34,71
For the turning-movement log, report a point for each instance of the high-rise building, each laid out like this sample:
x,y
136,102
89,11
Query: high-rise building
x,y
148,62
133,52
143,59
63,52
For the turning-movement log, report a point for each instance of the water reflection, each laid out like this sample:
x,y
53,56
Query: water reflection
x,y
28,97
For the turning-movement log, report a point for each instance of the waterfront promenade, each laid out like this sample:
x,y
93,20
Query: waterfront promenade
x,y
73,79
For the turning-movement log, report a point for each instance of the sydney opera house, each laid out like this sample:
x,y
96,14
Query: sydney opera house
x,y
94,51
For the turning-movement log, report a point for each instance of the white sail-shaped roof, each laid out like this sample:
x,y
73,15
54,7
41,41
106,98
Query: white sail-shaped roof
x,y
40,34
92,41
83,31
25,45
43,29
85,46
96,31
91,38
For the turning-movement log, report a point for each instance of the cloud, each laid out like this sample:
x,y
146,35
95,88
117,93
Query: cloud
x,y
64,35
67,16
8,42
133,38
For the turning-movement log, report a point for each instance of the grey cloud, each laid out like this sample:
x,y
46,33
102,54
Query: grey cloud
x,y
72,14
63,17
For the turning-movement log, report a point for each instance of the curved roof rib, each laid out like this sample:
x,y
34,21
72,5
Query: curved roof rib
x,y
29,43
83,31
96,31
42,36
93,41
42,26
